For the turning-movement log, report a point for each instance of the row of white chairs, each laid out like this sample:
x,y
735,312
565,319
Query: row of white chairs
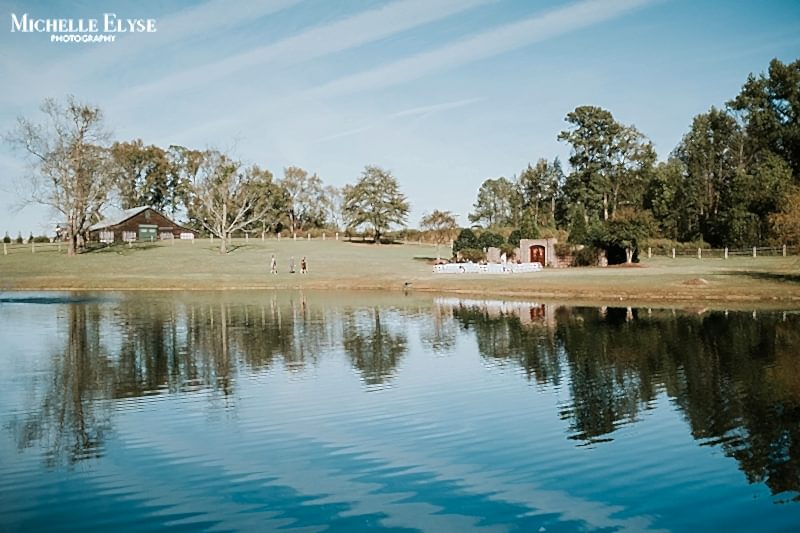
x,y
490,268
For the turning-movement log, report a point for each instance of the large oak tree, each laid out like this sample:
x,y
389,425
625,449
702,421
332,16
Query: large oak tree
x,y
375,201
142,175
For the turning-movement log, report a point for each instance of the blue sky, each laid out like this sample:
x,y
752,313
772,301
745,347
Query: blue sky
x,y
444,93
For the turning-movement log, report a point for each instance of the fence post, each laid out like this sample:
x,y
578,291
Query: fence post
x,y
673,253
699,253
649,252
323,236
754,251
33,247
5,249
337,235
308,235
726,252
784,250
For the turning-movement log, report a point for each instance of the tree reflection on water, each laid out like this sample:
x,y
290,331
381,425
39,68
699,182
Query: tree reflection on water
x,y
374,349
735,377
72,418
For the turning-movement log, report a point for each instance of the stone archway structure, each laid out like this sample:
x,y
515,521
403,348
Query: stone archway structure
x,y
538,251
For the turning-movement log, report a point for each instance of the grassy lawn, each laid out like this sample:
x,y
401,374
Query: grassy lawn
x,y
341,265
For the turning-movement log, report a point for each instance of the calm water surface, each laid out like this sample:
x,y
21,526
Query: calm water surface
x,y
313,412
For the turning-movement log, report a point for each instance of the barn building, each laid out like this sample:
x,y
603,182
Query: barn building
x,y
138,224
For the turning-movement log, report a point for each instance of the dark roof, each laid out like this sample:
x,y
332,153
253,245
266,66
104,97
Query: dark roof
x,y
120,218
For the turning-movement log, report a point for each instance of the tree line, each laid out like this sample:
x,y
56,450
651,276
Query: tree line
x,y
78,171
733,180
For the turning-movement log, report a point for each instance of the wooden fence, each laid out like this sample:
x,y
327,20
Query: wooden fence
x,y
650,252
722,253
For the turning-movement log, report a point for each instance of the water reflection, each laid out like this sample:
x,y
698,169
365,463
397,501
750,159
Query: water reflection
x,y
372,345
130,348
734,377
71,419
440,331
512,331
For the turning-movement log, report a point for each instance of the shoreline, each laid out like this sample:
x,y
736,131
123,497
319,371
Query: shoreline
x,y
335,266
566,297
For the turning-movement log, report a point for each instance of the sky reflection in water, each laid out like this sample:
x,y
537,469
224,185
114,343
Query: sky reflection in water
x,y
339,412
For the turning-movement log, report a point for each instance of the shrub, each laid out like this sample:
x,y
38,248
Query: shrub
x,y
661,246
41,238
490,240
466,239
694,245
509,250
18,240
515,237
7,239
562,249
665,246
472,254
586,256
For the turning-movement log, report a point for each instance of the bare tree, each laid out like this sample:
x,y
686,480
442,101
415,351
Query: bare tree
x,y
333,203
306,198
442,225
69,163
227,197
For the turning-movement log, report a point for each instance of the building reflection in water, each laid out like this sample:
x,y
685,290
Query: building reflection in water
x,y
734,377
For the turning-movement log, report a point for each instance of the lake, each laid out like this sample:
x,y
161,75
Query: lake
x,y
313,412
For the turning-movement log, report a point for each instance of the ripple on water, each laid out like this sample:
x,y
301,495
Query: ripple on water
x,y
387,435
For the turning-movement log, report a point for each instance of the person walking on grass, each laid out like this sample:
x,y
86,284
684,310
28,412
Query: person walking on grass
x,y
303,266
274,265
291,265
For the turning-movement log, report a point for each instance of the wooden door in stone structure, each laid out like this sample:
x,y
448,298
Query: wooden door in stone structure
x,y
537,254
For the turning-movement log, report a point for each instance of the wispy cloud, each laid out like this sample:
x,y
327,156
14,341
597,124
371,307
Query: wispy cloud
x,y
487,44
209,17
319,41
420,112
435,108
484,45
